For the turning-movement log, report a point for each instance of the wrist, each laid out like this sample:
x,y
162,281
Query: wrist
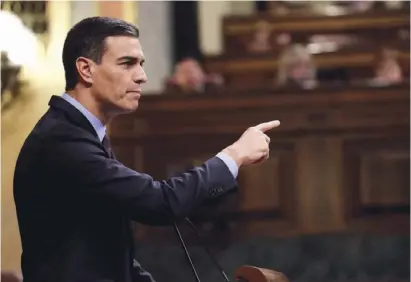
x,y
235,154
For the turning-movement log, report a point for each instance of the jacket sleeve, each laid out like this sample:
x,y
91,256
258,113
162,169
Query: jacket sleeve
x,y
83,162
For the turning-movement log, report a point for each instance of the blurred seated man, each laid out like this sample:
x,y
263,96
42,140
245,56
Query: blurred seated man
x,y
261,40
189,77
296,68
388,70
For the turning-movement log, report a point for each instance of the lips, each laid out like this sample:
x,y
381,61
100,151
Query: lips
x,y
135,91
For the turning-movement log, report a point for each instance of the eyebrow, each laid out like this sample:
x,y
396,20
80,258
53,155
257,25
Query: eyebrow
x,y
130,59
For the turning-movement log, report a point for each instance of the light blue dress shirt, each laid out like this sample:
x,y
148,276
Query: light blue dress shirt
x,y
101,132
95,122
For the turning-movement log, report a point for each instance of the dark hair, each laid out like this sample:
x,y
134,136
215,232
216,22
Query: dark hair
x,y
87,39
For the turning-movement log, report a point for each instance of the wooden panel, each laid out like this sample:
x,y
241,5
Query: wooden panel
x,y
262,182
378,176
270,187
385,178
376,182
319,184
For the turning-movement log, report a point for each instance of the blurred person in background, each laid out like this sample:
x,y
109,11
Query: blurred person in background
x,y
261,39
296,68
388,70
189,77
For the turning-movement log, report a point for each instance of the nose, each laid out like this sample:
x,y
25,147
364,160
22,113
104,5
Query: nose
x,y
140,76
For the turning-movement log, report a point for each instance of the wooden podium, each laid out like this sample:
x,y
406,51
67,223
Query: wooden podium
x,y
249,273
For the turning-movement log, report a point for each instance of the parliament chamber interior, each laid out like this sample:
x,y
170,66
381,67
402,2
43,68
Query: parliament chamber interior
x,y
330,204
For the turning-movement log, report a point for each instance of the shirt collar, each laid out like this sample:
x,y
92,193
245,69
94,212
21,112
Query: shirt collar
x,y
95,122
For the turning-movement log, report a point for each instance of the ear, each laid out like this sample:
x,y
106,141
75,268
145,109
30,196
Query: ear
x,y
85,69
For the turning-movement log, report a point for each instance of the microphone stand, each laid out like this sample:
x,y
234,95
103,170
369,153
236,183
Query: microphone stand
x,y
244,273
204,245
210,254
186,252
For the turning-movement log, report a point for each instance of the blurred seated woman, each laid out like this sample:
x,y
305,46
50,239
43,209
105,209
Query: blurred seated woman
x,y
296,68
189,77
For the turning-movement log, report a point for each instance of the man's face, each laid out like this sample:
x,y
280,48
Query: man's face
x,y
117,79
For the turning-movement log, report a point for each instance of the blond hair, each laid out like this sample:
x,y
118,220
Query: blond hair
x,y
289,57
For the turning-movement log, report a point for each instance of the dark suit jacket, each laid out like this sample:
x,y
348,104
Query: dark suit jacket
x,y
75,204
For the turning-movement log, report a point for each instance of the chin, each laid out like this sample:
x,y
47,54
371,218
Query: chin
x,y
132,107
125,109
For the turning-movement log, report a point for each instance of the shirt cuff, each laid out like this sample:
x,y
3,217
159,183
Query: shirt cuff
x,y
230,163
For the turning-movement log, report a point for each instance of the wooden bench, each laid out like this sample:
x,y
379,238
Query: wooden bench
x,y
258,70
374,27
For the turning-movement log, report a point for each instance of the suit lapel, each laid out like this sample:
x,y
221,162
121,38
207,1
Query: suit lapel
x,y
77,118
72,114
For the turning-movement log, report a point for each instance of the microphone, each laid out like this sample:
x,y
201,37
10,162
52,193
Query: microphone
x,y
204,245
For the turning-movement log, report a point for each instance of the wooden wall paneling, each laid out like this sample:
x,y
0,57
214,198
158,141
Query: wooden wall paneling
x,y
319,190
384,179
268,186
261,186
267,193
377,181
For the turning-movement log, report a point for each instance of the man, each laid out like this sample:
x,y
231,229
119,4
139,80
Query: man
x,y
74,200
189,77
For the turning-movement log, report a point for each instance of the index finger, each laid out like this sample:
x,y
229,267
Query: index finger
x,y
267,125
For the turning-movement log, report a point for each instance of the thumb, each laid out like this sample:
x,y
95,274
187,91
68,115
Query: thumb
x,y
267,125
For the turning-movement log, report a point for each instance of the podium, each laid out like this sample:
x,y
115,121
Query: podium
x,y
249,273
